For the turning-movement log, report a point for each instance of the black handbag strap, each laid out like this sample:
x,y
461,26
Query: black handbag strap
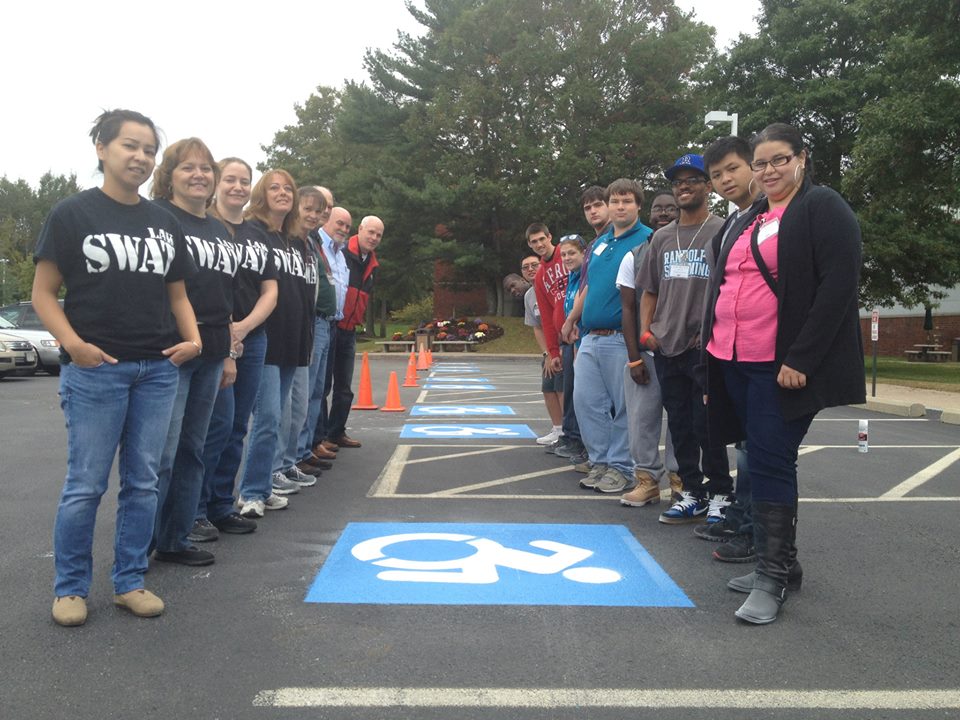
x,y
758,259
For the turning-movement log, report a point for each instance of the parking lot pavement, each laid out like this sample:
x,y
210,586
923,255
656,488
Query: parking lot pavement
x,y
536,630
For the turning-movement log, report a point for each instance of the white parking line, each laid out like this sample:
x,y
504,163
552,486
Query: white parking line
x,y
918,479
548,698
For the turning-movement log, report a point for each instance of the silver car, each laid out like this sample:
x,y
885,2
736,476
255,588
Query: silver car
x,y
17,356
21,319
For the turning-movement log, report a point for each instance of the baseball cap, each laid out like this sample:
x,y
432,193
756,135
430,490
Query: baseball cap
x,y
688,162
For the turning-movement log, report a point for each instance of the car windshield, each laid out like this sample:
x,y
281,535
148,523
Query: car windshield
x,y
6,324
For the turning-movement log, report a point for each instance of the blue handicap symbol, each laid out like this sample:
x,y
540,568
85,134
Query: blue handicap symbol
x,y
433,385
461,410
476,432
492,564
458,380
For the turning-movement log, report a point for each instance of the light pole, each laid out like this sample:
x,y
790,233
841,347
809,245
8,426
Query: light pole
x,y
3,280
715,117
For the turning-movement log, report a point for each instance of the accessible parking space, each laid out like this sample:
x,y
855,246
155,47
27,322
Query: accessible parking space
x,y
468,576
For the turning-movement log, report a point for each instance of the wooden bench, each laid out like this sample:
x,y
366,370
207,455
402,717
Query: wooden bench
x,y
397,345
912,355
938,355
461,345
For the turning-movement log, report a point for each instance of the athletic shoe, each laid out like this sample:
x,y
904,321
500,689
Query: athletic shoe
x,y
300,478
647,491
582,467
251,508
550,438
613,481
718,532
688,508
593,477
283,486
717,508
551,449
203,531
275,502
739,550
580,459
569,448
235,525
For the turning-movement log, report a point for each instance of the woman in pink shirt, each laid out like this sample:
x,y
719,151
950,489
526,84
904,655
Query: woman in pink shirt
x,y
783,334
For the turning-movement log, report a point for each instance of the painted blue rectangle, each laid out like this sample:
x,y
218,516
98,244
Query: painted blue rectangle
x,y
447,431
431,385
461,410
455,379
493,564
464,369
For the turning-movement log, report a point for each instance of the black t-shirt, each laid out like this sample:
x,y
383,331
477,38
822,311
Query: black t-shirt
x,y
290,325
256,266
116,261
210,289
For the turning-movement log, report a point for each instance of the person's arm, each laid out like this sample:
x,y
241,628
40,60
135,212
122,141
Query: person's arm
x,y
261,311
538,334
551,333
46,284
182,310
569,332
648,306
628,305
229,376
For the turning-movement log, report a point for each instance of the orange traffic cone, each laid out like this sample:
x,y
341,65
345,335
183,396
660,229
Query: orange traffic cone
x,y
429,358
411,379
366,390
393,396
422,360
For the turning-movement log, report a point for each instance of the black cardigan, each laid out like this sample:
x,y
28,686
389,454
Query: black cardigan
x,y
818,319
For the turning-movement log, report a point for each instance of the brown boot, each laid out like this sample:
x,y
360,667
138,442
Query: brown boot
x,y
70,610
676,484
141,603
646,492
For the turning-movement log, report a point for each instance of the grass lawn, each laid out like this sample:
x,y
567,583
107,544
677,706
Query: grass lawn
x,y
929,376
517,337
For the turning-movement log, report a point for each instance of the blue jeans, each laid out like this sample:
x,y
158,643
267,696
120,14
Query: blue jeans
x,y
598,396
294,417
570,427
228,429
739,515
344,354
773,443
274,393
181,465
682,396
645,423
107,407
315,382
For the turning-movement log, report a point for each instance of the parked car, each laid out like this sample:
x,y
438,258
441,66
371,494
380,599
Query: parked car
x,y
17,356
21,319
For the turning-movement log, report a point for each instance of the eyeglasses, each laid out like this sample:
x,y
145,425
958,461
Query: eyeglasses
x,y
775,161
530,266
688,181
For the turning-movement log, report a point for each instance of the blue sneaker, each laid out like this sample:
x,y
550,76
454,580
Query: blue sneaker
x,y
688,508
717,508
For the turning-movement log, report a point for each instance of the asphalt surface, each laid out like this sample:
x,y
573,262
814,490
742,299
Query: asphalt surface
x,y
878,612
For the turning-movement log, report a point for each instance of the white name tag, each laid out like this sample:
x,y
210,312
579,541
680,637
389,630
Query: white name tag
x,y
768,230
679,270
598,250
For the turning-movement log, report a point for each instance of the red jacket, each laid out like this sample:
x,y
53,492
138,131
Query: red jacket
x,y
362,275
550,286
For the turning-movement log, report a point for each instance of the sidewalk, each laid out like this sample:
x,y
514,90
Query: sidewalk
x,y
899,399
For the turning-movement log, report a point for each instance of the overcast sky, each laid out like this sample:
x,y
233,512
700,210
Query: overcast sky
x,y
208,68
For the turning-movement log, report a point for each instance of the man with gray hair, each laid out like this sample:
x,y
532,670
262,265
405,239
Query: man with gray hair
x,y
361,260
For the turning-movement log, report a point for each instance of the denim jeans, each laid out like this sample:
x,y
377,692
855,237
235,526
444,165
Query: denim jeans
x,y
315,382
645,423
274,393
739,515
772,442
598,396
127,405
228,429
181,465
687,419
320,432
571,429
344,354
294,417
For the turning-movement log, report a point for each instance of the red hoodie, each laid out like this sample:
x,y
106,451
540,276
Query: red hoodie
x,y
362,275
550,286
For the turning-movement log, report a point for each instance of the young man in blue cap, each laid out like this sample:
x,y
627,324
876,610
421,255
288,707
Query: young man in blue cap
x,y
674,276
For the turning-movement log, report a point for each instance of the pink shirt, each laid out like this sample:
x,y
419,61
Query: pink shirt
x,y
745,318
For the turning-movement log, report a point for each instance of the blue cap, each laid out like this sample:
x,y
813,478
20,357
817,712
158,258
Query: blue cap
x,y
689,162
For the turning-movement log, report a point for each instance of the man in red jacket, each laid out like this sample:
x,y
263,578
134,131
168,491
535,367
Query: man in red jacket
x,y
362,264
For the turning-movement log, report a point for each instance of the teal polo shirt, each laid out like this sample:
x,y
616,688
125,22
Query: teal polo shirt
x,y
601,306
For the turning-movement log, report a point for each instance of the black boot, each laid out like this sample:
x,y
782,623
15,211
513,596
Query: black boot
x,y
774,532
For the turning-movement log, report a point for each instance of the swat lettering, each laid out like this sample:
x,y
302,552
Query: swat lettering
x,y
220,256
151,254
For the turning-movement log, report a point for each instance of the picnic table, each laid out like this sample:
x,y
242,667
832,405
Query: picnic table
x,y
397,345
926,352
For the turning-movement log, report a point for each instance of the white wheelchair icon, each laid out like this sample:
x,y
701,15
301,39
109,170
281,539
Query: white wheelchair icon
x,y
480,567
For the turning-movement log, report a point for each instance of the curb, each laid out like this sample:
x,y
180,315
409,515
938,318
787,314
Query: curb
x,y
894,408
951,417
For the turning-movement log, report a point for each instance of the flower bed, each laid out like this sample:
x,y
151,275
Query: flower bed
x,y
476,330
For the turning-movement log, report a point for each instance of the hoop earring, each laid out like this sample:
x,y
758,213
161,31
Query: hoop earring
x,y
796,180
750,187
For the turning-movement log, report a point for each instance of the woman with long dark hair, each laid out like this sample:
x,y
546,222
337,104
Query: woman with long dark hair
x,y
123,261
783,331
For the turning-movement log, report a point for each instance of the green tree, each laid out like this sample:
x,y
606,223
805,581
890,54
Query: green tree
x,y
872,85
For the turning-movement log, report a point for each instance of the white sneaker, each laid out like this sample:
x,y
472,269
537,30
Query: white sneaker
x,y
251,508
717,508
275,502
296,475
282,486
550,438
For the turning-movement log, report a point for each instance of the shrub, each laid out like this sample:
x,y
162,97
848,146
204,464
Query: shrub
x,y
414,313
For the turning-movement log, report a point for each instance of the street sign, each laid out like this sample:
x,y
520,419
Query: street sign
x,y
875,325
455,410
468,432
492,564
